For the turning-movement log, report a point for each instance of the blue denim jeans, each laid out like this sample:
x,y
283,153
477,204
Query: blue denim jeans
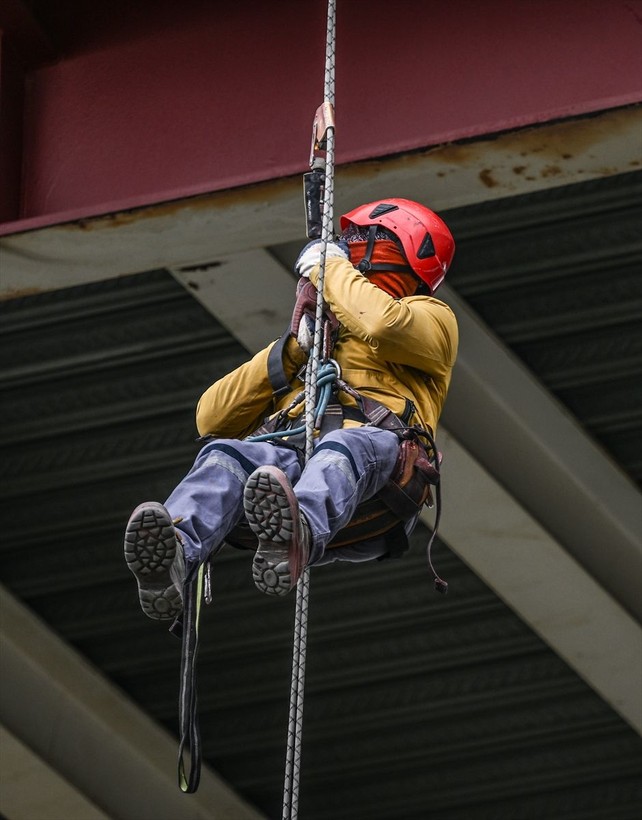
x,y
347,467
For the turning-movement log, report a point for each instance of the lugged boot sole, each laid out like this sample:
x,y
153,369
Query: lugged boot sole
x,y
150,550
269,508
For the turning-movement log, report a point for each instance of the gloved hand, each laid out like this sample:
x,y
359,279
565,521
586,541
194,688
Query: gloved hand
x,y
310,256
303,316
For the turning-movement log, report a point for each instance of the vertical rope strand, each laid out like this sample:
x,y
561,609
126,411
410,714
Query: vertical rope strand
x,y
295,726
290,783
302,617
327,227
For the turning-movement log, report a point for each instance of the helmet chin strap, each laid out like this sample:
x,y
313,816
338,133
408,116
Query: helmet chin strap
x,y
365,265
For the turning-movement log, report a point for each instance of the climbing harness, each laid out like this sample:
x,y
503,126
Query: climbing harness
x,y
327,374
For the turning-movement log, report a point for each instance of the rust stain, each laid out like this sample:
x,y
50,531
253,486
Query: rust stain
x,y
607,171
552,145
455,154
488,179
557,142
566,140
263,193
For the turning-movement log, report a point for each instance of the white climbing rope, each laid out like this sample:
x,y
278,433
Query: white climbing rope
x,y
295,725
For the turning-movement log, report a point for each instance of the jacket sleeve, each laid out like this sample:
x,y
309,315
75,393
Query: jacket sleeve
x,y
417,331
235,405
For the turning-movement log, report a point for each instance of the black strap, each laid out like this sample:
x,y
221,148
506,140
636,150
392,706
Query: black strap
x,y
276,372
408,411
332,419
354,414
190,737
388,266
396,541
364,265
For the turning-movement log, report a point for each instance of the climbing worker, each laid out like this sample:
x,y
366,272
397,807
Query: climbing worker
x,y
394,348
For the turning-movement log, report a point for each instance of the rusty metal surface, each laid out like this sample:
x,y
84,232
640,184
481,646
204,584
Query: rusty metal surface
x,y
189,114
123,240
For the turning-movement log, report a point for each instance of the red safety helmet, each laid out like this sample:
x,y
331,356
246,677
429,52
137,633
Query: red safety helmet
x,y
427,243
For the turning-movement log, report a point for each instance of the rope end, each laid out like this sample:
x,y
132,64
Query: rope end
x,y
441,586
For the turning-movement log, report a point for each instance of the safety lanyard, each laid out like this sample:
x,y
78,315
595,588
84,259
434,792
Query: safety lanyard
x,y
189,733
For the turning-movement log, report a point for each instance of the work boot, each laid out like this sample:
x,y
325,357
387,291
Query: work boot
x,y
155,556
272,511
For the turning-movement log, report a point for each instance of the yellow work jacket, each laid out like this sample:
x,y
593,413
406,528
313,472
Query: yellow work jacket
x,y
388,349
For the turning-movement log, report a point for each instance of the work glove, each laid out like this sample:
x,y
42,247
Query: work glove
x,y
303,315
310,256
